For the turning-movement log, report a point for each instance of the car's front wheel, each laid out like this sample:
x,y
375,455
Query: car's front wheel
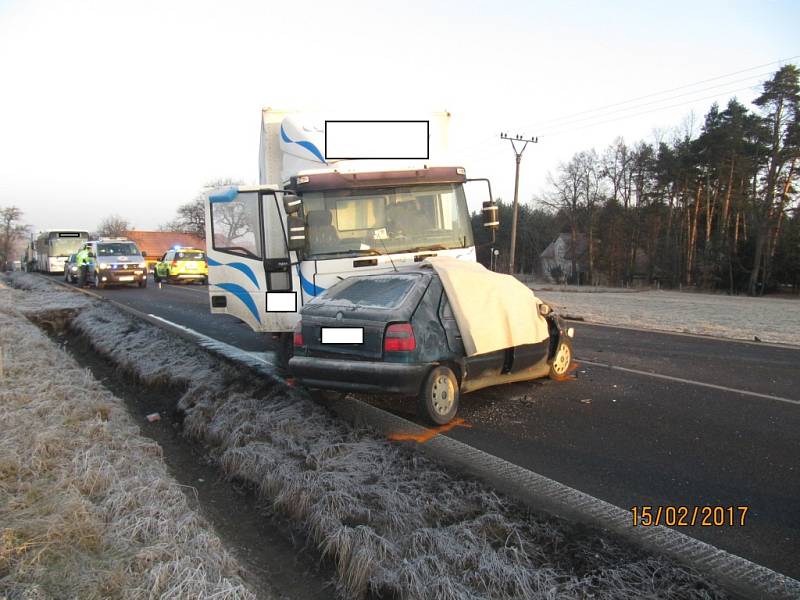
x,y
561,361
438,398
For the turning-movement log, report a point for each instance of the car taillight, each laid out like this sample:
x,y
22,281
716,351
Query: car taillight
x,y
298,335
173,264
399,338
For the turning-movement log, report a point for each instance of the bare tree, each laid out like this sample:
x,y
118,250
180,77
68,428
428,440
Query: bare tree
x,y
191,216
576,188
113,226
11,230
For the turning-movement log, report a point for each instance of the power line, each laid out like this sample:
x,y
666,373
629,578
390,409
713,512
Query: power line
x,y
470,150
649,111
496,150
681,87
667,99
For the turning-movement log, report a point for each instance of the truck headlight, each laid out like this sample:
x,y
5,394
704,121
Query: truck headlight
x,y
102,266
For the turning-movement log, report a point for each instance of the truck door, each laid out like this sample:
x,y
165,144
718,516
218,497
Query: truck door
x,y
235,251
249,272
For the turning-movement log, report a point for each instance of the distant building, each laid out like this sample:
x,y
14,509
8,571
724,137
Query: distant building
x,y
155,243
557,257
557,263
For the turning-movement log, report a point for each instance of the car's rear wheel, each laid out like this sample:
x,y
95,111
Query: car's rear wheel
x,y
438,398
561,361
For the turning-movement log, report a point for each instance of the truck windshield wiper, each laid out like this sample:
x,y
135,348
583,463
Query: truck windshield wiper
x,y
430,247
357,251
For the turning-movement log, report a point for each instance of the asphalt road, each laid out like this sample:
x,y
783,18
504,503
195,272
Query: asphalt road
x,y
627,437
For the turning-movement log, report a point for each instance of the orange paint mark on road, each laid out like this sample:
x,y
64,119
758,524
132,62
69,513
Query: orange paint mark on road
x,y
570,372
429,434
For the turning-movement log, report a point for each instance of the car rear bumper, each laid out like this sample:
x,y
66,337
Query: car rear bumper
x,y
358,376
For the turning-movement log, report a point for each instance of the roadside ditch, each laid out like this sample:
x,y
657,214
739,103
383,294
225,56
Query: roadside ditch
x,y
278,560
382,520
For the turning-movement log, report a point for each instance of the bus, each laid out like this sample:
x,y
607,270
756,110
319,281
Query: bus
x,y
53,247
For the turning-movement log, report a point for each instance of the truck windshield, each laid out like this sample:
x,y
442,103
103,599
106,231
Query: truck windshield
x,y
117,249
387,220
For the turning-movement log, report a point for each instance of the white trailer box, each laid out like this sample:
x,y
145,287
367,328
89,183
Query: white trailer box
x,y
292,142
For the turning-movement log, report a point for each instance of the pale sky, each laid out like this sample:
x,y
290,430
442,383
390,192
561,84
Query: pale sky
x,y
130,107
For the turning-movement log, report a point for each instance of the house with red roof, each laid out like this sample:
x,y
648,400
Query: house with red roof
x,y
155,243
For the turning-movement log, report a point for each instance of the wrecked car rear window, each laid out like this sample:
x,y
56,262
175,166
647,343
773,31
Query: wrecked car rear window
x,y
376,292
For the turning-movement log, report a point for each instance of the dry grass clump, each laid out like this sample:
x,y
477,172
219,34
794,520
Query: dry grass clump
x,y
396,524
87,509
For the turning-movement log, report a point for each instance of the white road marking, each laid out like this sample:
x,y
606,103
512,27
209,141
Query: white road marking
x,y
689,381
226,349
186,287
702,336
235,352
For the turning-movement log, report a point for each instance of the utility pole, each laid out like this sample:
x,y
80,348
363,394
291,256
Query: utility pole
x,y
518,154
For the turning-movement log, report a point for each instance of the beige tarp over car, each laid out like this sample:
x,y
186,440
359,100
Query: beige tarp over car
x,y
493,311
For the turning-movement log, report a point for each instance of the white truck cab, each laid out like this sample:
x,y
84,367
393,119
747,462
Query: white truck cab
x,y
315,220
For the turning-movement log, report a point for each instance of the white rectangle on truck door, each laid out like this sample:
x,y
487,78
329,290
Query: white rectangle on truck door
x,y
281,301
342,335
377,140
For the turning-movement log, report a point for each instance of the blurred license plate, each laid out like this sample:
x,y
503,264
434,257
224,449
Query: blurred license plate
x,y
126,278
191,266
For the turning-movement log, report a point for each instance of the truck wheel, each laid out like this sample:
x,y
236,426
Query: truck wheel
x,y
143,282
285,351
438,399
561,361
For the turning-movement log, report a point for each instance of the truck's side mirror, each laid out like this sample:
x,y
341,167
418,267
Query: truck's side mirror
x,y
491,218
296,232
292,203
144,254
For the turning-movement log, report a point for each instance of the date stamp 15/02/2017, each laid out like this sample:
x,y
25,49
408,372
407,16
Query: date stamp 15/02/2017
x,y
689,516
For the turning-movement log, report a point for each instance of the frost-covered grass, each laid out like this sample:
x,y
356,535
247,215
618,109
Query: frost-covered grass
x,y
738,317
395,524
87,508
